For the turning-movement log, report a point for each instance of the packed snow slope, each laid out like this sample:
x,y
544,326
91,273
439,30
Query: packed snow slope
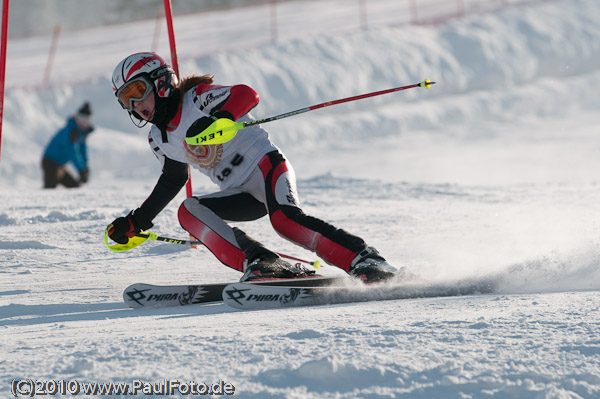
x,y
491,172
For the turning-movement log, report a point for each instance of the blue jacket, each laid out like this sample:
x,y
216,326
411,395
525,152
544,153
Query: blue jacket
x,y
68,144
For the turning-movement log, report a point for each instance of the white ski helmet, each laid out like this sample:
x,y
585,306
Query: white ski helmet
x,y
152,73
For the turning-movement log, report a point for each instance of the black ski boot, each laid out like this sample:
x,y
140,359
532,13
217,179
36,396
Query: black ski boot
x,y
370,267
267,267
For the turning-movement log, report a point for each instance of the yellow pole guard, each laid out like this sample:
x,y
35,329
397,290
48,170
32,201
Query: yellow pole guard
x,y
219,132
133,242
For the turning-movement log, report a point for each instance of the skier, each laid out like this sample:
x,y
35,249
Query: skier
x,y
254,177
68,145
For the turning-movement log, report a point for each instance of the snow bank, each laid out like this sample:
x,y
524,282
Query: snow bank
x,y
521,63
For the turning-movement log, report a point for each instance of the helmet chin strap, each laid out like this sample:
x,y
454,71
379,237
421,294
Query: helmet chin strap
x,y
141,122
138,121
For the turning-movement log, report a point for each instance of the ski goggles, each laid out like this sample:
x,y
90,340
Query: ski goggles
x,y
135,90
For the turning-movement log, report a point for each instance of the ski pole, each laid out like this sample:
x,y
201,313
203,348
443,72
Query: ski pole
x,y
223,130
143,237
155,237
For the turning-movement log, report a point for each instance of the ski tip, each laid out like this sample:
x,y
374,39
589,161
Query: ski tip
x,y
426,84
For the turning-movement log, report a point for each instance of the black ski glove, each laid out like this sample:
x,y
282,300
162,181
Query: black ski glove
x,y
199,126
125,227
203,123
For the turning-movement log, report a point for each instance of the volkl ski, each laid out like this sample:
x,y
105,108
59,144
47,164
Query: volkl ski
x,y
141,295
264,296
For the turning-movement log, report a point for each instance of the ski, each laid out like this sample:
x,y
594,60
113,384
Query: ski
x,y
142,295
265,296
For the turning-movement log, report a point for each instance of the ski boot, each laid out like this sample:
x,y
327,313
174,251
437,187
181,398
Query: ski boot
x,y
269,267
370,267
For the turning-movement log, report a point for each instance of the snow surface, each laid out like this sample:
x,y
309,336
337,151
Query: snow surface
x,y
491,172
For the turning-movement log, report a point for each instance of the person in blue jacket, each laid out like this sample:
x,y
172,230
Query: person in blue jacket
x,y
68,145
